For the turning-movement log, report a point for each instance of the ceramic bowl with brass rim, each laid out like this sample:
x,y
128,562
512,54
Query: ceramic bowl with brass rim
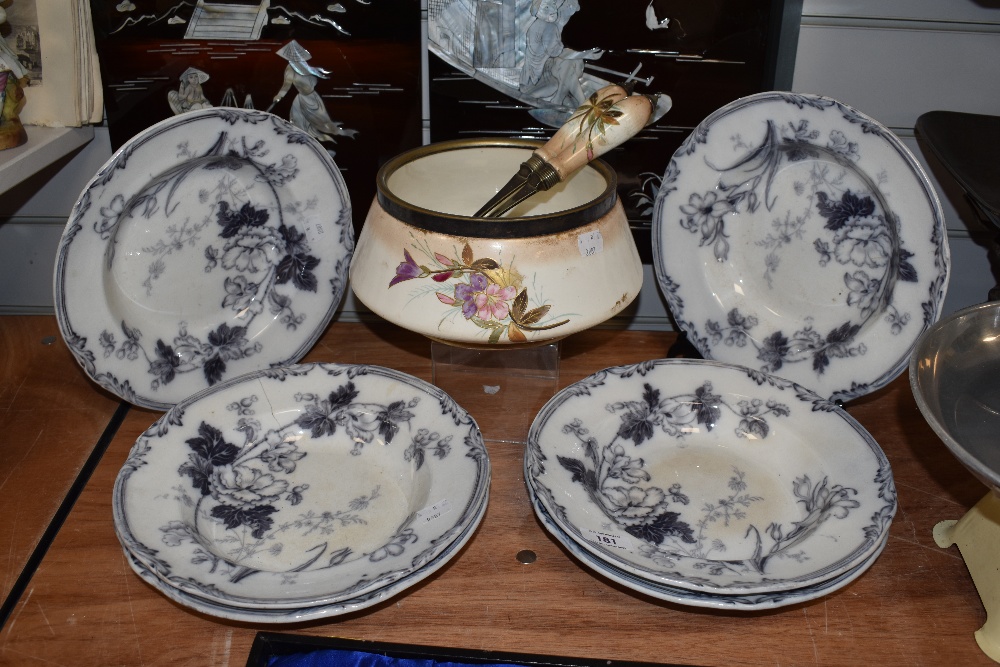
x,y
560,262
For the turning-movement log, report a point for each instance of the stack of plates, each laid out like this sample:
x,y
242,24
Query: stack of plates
x,y
709,484
203,260
301,492
792,236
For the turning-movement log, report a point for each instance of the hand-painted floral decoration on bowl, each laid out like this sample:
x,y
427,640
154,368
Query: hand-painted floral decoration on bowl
x,y
489,295
562,261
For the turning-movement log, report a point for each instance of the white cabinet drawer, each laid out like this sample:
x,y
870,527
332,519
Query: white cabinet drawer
x,y
921,10
894,75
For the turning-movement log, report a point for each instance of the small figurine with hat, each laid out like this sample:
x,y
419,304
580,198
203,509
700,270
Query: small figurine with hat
x,y
189,95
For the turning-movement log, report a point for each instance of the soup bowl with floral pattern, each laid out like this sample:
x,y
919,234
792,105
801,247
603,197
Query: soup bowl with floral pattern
x,y
560,262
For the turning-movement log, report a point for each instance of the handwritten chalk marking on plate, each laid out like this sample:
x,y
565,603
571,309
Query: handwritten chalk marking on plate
x,y
435,511
612,540
590,243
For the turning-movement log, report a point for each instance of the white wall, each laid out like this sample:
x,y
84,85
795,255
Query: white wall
x,y
897,59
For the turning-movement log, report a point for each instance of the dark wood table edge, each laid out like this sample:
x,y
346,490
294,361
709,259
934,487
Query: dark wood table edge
x,y
62,512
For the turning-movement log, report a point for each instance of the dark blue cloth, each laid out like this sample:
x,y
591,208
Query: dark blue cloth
x,y
340,658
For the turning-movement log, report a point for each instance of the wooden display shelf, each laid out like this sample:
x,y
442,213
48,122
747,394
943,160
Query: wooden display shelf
x,y
45,145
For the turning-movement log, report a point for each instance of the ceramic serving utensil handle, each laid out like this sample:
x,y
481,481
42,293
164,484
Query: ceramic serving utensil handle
x,y
594,130
602,100
608,119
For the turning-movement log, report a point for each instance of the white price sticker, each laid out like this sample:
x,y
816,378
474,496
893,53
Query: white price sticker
x,y
590,244
612,540
435,511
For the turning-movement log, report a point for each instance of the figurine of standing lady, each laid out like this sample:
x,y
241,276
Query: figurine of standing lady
x,y
308,110
12,81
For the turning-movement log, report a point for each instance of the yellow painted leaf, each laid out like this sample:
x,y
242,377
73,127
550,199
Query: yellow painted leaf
x,y
534,315
519,306
484,264
515,335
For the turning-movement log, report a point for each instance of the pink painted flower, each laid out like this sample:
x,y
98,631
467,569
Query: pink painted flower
x,y
492,302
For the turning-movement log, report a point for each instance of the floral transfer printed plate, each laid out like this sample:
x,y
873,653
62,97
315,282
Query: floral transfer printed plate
x,y
710,477
302,614
692,598
795,235
212,244
301,486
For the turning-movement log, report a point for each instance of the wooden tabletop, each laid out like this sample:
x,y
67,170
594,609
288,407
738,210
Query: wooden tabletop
x,y
83,605
51,418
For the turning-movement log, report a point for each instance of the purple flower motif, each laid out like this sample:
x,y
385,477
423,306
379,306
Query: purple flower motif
x,y
466,293
407,270
634,504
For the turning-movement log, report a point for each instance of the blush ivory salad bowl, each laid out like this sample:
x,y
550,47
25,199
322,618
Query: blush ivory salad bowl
x,y
560,262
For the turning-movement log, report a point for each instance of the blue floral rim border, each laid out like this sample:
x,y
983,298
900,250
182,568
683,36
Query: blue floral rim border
x,y
732,601
467,514
304,614
874,533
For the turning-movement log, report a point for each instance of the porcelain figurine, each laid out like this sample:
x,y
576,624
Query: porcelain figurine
x,y
552,72
12,81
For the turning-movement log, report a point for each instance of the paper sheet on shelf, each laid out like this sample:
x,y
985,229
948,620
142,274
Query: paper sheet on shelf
x,y
69,93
